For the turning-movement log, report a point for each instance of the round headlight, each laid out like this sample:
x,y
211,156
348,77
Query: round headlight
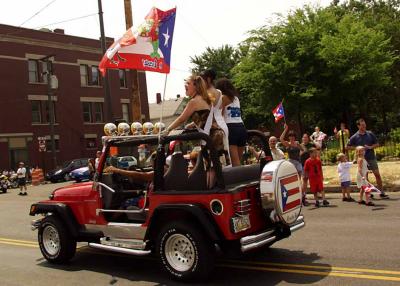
x,y
158,126
136,128
123,129
148,128
110,129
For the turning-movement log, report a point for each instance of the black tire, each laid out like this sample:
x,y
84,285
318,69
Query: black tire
x,y
55,242
196,262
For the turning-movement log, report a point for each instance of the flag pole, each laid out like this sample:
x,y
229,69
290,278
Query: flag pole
x,y
162,105
284,113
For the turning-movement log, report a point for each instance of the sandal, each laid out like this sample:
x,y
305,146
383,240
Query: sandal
x,y
371,204
362,202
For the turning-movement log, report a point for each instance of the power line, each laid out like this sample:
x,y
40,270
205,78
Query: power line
x,y
68,20
34,15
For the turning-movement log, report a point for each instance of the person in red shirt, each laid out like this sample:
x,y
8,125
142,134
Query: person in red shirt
x,y
313,171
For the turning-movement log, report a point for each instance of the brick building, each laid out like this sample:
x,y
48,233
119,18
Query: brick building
x,y
79,102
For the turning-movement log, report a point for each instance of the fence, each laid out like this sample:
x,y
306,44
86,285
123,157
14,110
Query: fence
x,y
389,149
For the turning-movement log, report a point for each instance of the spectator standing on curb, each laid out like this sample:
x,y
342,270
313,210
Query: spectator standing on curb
x,y
343,136
21,175
276,153
313,172
305,154
362,183
368,140
293,148
318,137
344,176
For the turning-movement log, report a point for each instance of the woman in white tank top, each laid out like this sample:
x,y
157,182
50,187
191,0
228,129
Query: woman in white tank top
x,y
232,115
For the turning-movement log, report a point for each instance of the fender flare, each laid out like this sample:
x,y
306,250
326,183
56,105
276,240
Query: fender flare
x,y
62,210
197,211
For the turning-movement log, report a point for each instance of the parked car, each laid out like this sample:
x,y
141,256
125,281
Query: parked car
x,y
62,173
183,218
125,162
81,174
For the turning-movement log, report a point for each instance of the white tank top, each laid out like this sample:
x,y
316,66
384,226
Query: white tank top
x,y
232,112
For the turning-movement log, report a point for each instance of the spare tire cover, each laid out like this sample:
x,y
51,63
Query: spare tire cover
x,y
280,180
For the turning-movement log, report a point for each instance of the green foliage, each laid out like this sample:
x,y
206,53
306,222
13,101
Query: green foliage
x,y
330,155
395,135
329,64
222,60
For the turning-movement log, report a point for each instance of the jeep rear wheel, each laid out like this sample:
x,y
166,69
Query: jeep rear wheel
x,y
55,243
185,252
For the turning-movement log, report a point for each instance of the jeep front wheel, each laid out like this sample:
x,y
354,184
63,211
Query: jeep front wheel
x,y
55,242
185,252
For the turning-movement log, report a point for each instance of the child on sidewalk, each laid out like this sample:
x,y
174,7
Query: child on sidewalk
x,y
362,183
344,176
313,171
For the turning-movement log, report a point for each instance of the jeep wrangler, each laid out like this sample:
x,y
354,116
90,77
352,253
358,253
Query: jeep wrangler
x,y
187,212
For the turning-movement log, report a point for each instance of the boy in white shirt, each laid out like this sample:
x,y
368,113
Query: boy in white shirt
x,y
344,176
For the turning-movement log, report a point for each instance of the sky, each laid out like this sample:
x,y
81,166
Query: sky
x,y
198,25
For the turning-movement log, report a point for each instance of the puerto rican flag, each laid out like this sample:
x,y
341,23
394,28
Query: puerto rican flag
x,y
278,112
146,48
289,188
370,188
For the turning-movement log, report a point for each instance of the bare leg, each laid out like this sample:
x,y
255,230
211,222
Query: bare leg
x,y
323,195
347,190
361,194
343,193
233,150
378,179
240,150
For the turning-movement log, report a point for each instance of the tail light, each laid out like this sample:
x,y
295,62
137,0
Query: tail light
x,y
242,207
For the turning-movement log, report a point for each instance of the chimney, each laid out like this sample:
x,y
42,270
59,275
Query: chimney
x,y
158,96
59,31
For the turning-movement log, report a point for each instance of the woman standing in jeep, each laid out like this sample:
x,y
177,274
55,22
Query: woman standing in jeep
x,y
200,110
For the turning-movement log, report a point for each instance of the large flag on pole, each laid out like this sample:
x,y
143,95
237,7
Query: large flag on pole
x,y
278,112
147,48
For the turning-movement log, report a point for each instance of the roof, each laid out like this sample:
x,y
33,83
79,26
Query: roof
x,y
172,107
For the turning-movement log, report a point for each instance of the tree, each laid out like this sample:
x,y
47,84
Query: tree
x,y
222,60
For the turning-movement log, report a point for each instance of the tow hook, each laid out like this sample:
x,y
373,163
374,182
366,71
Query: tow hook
x,y
35,224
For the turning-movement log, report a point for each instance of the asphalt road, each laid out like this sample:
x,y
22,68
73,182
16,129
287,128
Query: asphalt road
x,y
344,244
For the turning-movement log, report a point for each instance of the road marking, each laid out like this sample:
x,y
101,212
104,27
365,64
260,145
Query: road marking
x,y
333,268
18,241
309,272
257,265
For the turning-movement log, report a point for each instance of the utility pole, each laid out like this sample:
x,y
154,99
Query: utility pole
x,y
51,107
107,94
136,106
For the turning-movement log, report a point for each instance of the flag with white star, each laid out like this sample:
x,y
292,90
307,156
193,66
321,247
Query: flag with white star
x,y
146,48
290,193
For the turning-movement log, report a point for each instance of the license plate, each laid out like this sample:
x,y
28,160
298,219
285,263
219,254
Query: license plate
x,y
241,223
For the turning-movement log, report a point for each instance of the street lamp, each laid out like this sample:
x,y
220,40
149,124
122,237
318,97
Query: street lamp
x,y
52,84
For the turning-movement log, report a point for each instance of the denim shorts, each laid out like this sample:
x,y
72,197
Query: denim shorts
x,y
298,166
345,184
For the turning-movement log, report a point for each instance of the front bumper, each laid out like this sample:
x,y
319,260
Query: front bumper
x,y
251,242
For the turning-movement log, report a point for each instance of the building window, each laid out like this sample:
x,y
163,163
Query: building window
x,y
122,78
92,112
91,143
33,71
56,144
36,111
84,75
98,112
95,78
87,112
125,112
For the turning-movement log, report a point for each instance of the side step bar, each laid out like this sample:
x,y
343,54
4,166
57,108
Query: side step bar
x,y
120,249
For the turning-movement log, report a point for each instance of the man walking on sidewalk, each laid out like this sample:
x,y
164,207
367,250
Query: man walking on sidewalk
x,y
21,175
368,140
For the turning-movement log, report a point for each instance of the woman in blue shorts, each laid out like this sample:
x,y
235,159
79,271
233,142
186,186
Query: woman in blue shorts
x,y
232,115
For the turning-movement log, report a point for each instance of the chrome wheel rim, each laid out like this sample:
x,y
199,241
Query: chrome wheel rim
x,y
179,252
51,240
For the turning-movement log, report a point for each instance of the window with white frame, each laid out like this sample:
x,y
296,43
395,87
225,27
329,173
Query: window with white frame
x,y
125,112
122,78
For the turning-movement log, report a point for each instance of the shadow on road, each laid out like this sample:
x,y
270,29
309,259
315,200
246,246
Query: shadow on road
x,y
264,267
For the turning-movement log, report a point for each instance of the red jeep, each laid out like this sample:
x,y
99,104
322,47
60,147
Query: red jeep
x,y
182,216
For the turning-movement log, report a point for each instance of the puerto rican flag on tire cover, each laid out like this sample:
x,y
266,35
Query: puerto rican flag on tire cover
x,y
289,187
147,48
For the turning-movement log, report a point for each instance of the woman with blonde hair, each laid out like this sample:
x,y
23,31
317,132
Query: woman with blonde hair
x,y
201,111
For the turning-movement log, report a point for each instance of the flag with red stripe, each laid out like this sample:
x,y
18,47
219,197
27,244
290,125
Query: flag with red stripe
x,y
289,189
